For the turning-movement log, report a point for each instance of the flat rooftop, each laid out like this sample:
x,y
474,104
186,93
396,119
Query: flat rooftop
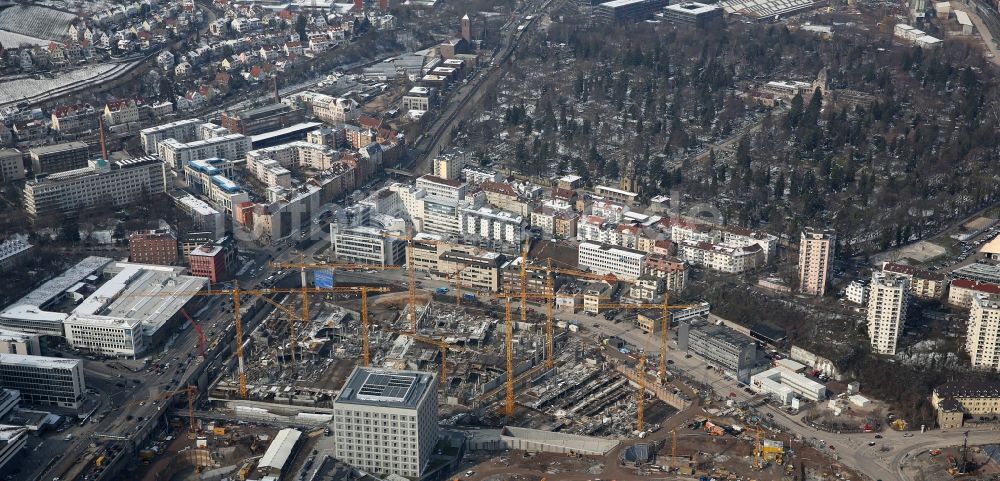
x,y
139,292
386,387
56,286
48,149
42,362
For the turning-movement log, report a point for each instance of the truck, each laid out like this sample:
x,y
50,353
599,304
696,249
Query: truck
x,y
469,297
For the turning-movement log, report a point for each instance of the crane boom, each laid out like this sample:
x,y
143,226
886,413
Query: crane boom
x,y
549,342
509,406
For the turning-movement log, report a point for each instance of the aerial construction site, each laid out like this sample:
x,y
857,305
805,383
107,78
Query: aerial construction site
x,y
524,388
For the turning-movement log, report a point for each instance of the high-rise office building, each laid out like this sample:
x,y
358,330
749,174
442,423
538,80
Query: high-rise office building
x,y
887,302
815,255
386,421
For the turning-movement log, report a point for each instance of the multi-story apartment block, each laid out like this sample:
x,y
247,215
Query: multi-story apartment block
x,y
441,217
721,257
596,297
119,112
230,147
261,119
815,258
44,381
982,339
333,110
11,165
210,178
492,224
504,197
607,259
270,165
962,291
673,271
51,159
610,211
476,176
71,119
121,182
366,245
923,284
153,247
438,189
181,130
419,98
476,268
386,421
857,292
887,304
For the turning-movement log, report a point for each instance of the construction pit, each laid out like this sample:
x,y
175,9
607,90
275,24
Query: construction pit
x,y
942,463
588,390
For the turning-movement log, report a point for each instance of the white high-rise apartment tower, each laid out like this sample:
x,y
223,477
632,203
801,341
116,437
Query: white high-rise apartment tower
x,y
887,302
815,256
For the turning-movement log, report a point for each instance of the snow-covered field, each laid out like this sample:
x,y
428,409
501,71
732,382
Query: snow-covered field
x,y
14,90
36,21
13,40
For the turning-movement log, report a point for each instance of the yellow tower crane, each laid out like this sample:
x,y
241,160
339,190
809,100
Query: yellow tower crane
x,y
411,270
640,401
509,404
344,266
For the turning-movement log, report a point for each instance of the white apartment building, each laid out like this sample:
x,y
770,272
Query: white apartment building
x,y
386,421
475,175
437,188
418,98
815,257
441,217
412,199
608,259
44,381
729,236
122,182
494,224
271,164
366,245
982,339
857,292
210,178
333,110
181,130
887,303
610,211
720,257
176,153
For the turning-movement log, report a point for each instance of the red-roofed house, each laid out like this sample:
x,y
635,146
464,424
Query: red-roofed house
x,y
124,111
961,291
69,119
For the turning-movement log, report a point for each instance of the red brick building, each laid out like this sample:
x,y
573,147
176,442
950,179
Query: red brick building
x,y
217,261
153,247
